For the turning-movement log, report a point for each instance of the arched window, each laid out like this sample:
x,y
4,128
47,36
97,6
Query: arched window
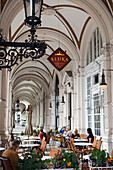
x,y
94,46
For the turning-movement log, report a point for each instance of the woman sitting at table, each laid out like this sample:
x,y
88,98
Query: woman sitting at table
x,y
90,137
42,134
76,134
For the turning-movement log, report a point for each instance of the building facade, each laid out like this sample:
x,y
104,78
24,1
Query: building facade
x,y
84,30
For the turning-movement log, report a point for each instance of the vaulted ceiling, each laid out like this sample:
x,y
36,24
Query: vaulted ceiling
x,y
65,23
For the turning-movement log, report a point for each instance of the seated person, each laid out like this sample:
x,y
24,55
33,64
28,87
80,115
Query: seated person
x,y
61,130
65,132
69,132
89,131
11,153
76,134
41,135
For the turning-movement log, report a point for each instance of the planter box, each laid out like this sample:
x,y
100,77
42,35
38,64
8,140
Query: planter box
x,y
94,166
61,169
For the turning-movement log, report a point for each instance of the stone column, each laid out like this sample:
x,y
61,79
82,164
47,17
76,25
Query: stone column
x,y
82,101
108,98
10,107
3,104
52,112
37,115
41,114
62,108
47,113
76,114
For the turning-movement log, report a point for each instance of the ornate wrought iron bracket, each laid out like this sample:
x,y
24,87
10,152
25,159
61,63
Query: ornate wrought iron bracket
x,y
13,52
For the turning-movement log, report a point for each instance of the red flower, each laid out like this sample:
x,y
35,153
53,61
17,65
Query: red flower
x,y
58,162
38,159
61,156
109,160
55,157
55,153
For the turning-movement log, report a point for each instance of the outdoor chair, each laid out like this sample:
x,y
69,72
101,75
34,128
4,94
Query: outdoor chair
x,y
43,146
72,140
6,163
48,139
52,141
68,145
53,152
99,143
63,141
87,151
83,136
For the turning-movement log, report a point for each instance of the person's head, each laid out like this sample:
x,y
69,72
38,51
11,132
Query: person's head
x,y
64,128
89,131
15,144
67,128
41,130
76,131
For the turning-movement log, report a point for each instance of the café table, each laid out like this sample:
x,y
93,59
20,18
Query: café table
x,y
2,149
80,140
82,144
28,145
34,137
29,141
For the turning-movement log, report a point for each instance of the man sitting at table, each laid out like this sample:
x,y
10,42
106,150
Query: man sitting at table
x,y
11,153
69,132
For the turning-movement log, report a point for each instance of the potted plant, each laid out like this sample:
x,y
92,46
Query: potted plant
x,y
22,133
34,132
31,161
37,132
49,132
57,132
99,158
64,159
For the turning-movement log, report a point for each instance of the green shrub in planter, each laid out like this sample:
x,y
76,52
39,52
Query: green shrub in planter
x,y
31,161
22,133
37,132
99,157
64,159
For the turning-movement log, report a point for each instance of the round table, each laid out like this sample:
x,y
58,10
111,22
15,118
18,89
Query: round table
x,y
28,145
2,149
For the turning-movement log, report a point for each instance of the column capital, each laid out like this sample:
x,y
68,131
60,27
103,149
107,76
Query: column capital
x,y
107,49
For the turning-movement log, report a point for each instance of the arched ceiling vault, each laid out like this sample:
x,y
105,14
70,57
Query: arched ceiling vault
x,y
65,23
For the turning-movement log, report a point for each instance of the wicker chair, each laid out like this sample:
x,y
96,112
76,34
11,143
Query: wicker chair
x,y
6,163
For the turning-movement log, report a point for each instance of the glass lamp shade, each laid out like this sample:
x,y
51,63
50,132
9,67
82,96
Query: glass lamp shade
x,y
33,10
103,84
62,102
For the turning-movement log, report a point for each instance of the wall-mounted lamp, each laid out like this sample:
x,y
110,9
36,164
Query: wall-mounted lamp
x,y
103,84
50,106
62,102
